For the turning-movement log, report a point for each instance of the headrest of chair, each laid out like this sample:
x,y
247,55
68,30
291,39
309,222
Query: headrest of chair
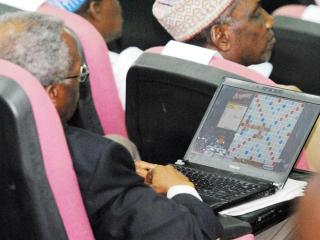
x,y
309,13
175,67
189,52
291,10
55,153
218,62
246,237
102,83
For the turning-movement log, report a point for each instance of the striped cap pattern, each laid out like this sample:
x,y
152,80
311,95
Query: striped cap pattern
x,y
69,5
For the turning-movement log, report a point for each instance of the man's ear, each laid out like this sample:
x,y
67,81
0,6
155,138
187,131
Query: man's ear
x,y
220,37
52,92
94,10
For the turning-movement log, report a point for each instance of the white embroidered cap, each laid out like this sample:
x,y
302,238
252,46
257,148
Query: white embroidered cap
x,y
183,19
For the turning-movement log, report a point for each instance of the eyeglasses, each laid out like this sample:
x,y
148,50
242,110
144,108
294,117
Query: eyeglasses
x,y
83,76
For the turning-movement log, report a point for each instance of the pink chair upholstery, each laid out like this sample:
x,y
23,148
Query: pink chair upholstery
x,y
294,11
246,237
103,88
243,71
55,154
230,66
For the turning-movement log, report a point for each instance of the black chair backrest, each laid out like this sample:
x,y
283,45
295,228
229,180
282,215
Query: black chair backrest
x,y
166,100
5,8
140,28
270,6
27,206
86,116
296,55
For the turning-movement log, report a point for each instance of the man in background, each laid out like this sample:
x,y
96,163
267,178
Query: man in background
x,y
240,30
106,17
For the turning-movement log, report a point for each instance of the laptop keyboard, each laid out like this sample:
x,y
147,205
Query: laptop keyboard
x,y
216,186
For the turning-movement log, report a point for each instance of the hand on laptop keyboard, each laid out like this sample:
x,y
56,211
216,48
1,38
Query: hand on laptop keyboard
x,y
142,168
217,186
161,178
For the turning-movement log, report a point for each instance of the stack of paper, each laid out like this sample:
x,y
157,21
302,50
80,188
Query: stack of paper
x,y
292,189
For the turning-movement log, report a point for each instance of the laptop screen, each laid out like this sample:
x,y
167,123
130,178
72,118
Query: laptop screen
x,y
254,130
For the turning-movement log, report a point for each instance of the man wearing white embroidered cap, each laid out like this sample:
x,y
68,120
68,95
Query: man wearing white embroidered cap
x,y
240,30
106,17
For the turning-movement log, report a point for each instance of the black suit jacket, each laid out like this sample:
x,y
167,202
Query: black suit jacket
x,y
121,206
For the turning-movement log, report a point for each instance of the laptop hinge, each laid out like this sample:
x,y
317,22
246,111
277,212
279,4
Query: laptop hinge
x,y
277,185
181,162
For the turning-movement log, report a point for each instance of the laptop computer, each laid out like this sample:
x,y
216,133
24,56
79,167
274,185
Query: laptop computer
x,y
248,141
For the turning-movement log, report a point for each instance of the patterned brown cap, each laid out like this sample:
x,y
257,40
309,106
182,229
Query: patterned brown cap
x,y
183,19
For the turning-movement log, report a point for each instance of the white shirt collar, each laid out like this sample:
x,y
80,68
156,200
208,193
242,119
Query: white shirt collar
x,y
189,52
312,14
203,56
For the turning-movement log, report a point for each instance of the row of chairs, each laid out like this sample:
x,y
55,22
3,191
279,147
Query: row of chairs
x,y
47,206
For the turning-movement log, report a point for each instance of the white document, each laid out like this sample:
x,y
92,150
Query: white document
x,y
26,5
292,189
189,52
312,14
